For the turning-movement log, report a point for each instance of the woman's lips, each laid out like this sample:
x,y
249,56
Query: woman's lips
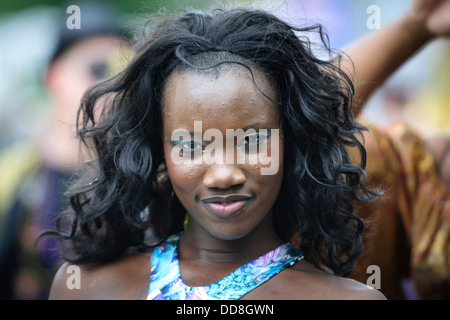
x,y
226,206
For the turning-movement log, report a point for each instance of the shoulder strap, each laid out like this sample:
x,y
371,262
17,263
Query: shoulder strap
x,y
253,274
164,267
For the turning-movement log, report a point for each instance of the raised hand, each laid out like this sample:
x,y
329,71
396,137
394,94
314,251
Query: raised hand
x,y
374,57
432,17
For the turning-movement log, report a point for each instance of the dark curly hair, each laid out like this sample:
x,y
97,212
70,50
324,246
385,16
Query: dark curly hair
x,y
128,192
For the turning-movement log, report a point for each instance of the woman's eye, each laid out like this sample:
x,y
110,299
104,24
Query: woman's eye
x,y
189,146
253,140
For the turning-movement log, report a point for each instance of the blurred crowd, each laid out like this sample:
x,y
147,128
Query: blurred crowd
x,y
45,68
39,161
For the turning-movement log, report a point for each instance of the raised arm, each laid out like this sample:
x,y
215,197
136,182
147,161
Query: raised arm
x,y
374,57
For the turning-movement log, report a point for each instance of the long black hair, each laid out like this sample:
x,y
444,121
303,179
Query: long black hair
x,y
127,192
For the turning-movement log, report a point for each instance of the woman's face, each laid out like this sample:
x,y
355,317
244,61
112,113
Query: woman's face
x,y
223,148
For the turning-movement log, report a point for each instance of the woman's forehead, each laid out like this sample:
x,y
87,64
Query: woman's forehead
x,y
226,82
225,95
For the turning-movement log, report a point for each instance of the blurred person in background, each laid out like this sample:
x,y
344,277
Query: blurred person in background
x,y
408,230
36,171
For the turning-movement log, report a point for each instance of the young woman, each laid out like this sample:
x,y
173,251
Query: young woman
x,y
222,139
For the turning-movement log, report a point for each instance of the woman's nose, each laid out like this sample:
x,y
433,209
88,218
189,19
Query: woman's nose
x,y
223,176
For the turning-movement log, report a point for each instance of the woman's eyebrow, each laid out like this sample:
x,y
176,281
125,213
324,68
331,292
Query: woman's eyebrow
x,y
254,125
192,133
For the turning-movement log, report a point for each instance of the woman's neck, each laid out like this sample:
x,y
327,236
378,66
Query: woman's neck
x,y
205,259
200,245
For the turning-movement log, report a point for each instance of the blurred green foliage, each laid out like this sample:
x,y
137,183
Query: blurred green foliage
x,y
126,6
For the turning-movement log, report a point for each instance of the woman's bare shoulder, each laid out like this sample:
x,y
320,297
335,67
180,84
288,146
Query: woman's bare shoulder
x,y
326,286
125,278
304,281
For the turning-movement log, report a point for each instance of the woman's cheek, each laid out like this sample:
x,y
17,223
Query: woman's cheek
x,y
185,176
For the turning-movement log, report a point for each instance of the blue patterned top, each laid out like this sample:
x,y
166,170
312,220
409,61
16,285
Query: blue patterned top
x,y
166,282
